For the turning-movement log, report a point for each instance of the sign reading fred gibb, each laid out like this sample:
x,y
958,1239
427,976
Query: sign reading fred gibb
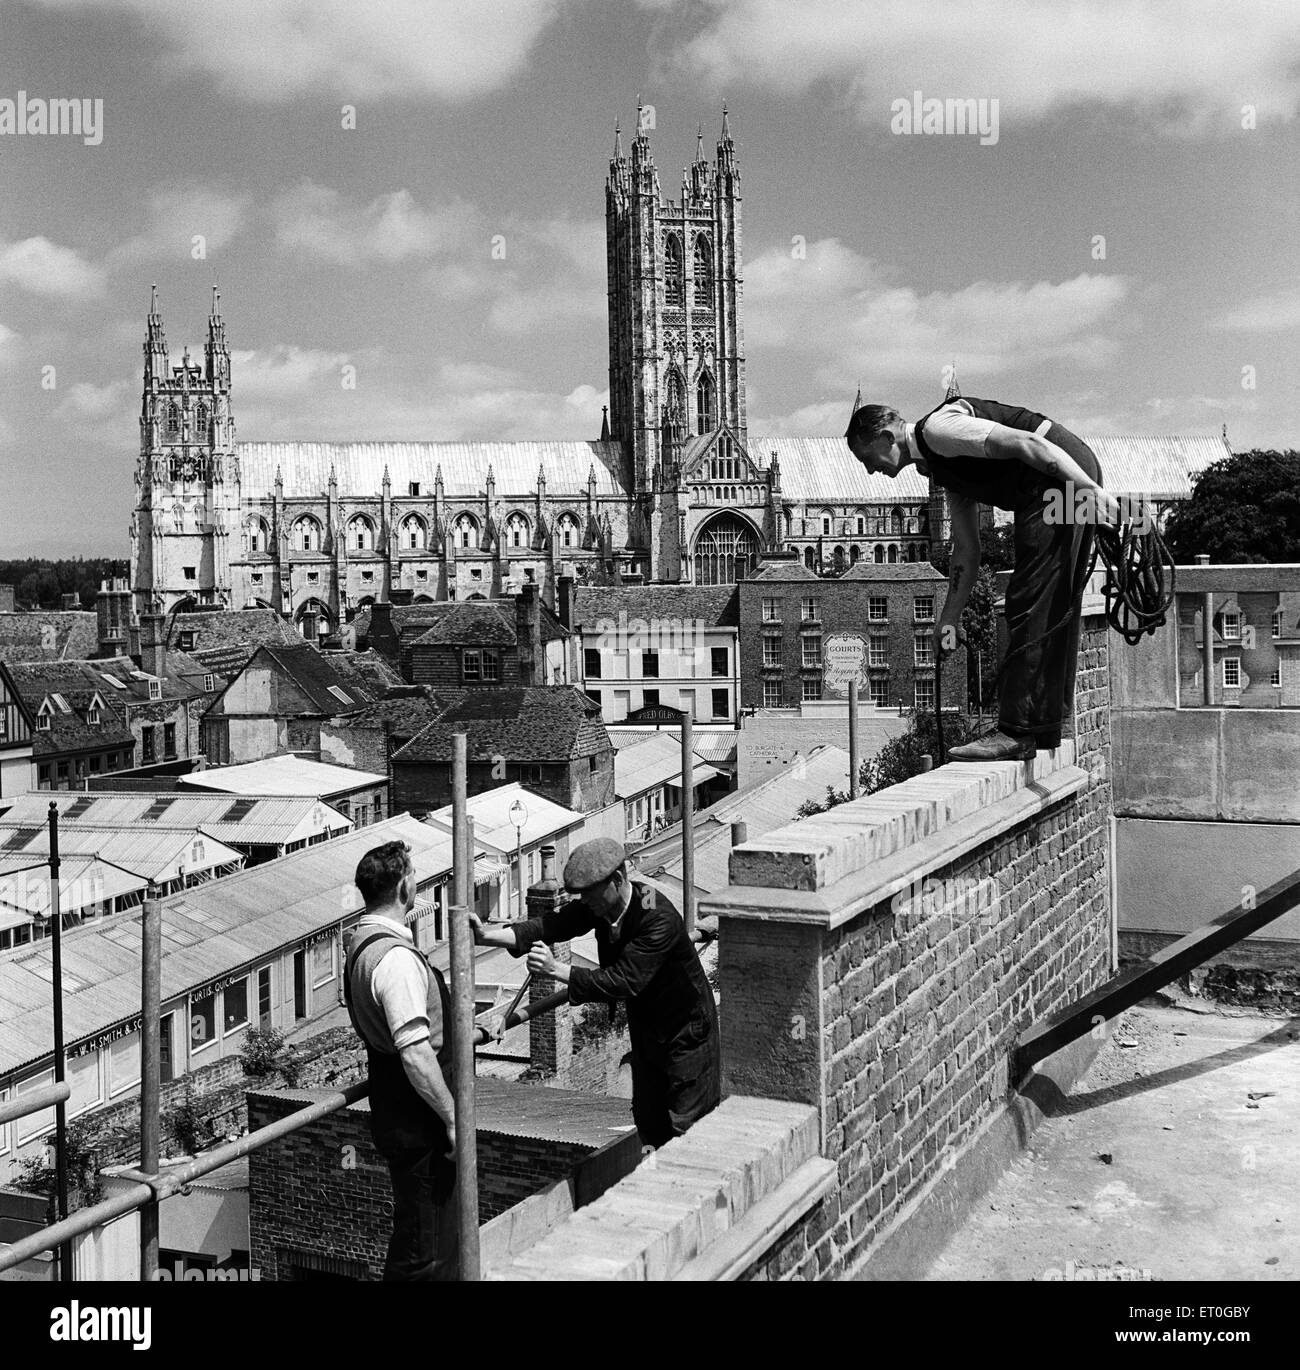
x,y
844,658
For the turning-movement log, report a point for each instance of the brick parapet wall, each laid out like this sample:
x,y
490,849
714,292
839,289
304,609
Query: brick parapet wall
x,y
892,1002
323,1192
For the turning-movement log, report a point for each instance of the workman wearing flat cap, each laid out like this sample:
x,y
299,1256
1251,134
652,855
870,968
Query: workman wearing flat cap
x,y
647,961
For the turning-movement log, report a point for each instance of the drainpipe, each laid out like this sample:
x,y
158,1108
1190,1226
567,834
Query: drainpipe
x,y
1207,637
462,1015
853,739
150,1074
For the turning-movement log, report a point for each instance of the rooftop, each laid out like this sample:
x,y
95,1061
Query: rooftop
x,y
48,635
208,932
657,761
481,622
901,570
494,826
714,605
282,775
538,723
224,640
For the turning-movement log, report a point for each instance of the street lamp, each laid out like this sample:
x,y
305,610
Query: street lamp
x,y
519,816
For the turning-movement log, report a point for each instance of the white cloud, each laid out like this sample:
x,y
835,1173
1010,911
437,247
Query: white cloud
x,y
845,316
177,215
1272,313
286,372
90,404
318,223
277,50
1191,65
44,268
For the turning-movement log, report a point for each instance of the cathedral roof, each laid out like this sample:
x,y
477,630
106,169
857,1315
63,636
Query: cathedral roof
x,y
823,470
360,466
1160,468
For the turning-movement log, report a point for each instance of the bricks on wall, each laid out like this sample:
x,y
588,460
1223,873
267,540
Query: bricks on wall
x,y
895,1012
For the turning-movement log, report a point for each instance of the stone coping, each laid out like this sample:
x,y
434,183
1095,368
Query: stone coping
x,y
830,868
698,1190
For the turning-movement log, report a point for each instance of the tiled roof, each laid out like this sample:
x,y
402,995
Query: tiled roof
x,y
225,640
539,723
781,570
456,620
476,622
208,931
77,683
48,635
899,570
360,466
714,605
360,677
405,712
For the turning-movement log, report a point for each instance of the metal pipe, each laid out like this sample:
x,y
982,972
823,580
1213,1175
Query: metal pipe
x,y
940,746
60,1065
688,826
853,739
176,1178
523,1013
1207,647
462,855
462,1040
33,1102
150,1074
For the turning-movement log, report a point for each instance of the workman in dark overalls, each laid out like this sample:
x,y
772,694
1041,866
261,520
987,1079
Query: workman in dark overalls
x,y
646,961
400,1008
984,452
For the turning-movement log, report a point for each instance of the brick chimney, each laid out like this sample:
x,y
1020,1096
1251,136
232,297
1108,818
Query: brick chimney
x,y
113,613
528,637
153,641
565,609
550,1035
382,637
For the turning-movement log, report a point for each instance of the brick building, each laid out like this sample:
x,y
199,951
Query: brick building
x,y
803,638
366,738
549,738
278,701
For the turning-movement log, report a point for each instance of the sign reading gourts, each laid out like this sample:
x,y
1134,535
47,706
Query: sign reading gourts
x,y
844,659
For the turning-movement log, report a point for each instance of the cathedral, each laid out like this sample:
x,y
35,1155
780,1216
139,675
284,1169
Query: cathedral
x,y
676,489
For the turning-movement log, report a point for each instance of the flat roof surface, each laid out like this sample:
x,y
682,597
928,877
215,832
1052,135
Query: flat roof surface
x,y
282,775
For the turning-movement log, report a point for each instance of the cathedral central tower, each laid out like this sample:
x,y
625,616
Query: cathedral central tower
x,y
676,346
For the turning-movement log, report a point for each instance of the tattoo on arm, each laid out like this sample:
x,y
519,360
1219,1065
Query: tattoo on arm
x,y
954,578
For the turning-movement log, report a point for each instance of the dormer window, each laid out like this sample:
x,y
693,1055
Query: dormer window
x,y
209,684
155,689
187,640
44,714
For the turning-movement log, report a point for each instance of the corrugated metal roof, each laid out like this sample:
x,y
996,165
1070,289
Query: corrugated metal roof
x,y
282,775
716,747
1160,468
359,467
154,855
82,880
823,469
267,821
658,762
767,805
208,932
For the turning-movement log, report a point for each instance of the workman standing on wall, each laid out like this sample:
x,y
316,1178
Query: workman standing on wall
x,y
985,452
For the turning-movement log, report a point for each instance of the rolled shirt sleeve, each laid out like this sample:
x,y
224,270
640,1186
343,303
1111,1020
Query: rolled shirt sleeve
x,y
955,432
401,988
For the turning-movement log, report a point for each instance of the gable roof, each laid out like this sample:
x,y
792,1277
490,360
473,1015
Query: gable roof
x,y
716,606
404,711
358,677
224,640
456,622
537,723
791,569
896,570
48,635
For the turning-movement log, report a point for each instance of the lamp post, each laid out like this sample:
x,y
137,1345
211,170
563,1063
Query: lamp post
x,y
519,816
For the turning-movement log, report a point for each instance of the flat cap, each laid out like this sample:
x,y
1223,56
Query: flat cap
x,y
593,862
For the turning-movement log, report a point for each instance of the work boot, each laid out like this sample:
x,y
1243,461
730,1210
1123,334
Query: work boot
x,y
997,746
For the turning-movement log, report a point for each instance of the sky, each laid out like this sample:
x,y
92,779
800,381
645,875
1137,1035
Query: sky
x,y
1124,256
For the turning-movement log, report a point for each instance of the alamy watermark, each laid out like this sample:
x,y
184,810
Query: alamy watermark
x,y
951,116
80,117
685,636
1073,504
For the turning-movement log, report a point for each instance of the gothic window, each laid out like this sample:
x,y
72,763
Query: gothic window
x,y
808,559
465,531
839,561
258,538
896,521
517,534
854,553
413,531
726,549
178,517
880,554
704,417
893,554
173,418
306,534
672,271
566,528
201,419
361,533
703,268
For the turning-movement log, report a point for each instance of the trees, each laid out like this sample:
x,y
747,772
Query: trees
x,y
42,584
1245,508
